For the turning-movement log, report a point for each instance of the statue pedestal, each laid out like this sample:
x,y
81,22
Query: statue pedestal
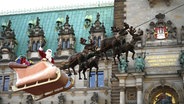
x,y
67,52
6,56
33,55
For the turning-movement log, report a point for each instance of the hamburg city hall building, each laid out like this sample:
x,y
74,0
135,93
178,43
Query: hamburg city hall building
x,y
147,35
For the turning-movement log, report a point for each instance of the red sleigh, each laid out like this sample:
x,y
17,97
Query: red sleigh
x,y
41,80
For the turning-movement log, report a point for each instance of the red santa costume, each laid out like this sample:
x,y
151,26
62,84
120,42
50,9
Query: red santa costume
x,y
47,54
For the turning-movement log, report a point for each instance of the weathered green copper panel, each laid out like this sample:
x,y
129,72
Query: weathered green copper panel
x,y
48,20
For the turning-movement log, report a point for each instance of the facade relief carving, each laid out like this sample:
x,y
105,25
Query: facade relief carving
x,y
8,42
152,93
66,38
131,95
140,62
182,32
29,100
36,38
161,31
97,31
61,99
181,59
94,98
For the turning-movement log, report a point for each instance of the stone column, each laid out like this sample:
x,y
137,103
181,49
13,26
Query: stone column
x,y
122,95
139,95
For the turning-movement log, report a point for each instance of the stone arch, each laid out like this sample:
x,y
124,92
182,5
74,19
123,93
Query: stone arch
x,y
178,90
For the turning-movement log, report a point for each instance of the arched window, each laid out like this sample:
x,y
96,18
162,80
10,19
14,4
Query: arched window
x,y
38,45
99,41
63,44
68,43
34,46
94,39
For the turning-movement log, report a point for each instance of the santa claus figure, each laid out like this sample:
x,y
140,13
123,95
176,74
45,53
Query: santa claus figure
x,y
47,55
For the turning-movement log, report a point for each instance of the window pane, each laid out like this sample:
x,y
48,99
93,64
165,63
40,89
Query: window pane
x,y
100,79
63,44
68,43
0,82
92,80
6,83
99,41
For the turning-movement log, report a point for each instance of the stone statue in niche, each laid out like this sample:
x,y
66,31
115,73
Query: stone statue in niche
x,y
140,63
181,59
94,98
122,67
61,99
29,100
182,32
164,99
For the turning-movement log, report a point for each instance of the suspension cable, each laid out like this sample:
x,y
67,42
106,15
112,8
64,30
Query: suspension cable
x,y
163,13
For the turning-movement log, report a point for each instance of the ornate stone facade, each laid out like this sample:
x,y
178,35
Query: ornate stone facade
x,y
66,39
8,42
163,72
36,38
97,31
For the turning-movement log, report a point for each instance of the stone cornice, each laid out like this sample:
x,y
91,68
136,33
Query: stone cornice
x,y
57,8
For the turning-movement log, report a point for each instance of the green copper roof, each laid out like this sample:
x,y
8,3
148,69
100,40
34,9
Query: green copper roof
x,y
48,22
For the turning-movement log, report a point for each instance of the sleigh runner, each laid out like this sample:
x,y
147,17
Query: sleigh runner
x,y
41,80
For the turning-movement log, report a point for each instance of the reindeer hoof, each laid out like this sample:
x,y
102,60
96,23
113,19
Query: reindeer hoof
x,y
70,74
75,73
85,78
80,78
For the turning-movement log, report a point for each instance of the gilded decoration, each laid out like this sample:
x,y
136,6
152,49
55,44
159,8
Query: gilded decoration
x,y
161,29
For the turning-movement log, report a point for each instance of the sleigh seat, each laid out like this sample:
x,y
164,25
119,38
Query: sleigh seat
x,y
42,79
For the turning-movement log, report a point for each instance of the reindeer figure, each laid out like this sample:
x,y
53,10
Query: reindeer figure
x,y
115,41
128,46
92,62
91,46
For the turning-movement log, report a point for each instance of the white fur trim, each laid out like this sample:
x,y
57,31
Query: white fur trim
x,y
40,48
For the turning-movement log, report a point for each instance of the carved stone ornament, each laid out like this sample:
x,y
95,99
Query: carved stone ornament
x,y
160,29
65,29
61,99
66,39
162,82
152,2
94,98
182,32
97,26
29,100
8,42
36,36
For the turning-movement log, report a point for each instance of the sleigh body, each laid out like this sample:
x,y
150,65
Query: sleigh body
x,y
41,80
